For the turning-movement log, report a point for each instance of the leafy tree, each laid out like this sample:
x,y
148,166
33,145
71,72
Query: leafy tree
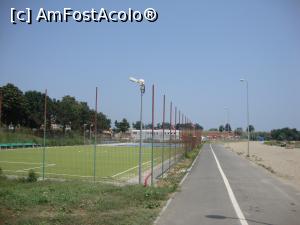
x,y
84,114
285,134
198,126
251,128
35,102
137,125
122,126
213,129
159,126
167,126
14,107
28,110
148,126
227,127
103,122
238,131
69,112
221,128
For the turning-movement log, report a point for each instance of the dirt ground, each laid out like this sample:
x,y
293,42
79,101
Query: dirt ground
x,y
280,161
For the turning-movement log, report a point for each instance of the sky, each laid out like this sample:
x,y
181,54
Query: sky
x,y
195,54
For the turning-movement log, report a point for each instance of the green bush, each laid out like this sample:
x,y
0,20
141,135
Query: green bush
x,y
32,176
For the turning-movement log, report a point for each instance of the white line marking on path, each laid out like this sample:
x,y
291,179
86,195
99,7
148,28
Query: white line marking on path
x,y
234,202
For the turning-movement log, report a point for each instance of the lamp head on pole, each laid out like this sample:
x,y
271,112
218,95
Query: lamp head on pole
x,y
140,82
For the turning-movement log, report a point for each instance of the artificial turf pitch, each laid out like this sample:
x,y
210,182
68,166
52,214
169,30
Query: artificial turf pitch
x,y
77,162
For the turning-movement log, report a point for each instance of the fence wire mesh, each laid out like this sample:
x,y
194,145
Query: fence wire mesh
x,y
101,155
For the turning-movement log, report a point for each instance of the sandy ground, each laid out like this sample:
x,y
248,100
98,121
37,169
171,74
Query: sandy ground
x,y
284,163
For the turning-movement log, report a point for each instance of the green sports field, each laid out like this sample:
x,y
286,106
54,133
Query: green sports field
x,y
77,162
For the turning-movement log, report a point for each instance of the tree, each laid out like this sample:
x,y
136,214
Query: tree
x,y
28,110
213,129
167,126
221,128
285,134
35,102
69,112
137,125
238,131
227,127
198,126
159,126
14,107
148,126
103,122
251,128
122,126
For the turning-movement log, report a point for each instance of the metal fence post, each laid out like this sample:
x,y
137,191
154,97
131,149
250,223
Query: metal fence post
x,y
95,141
175,133
170,144
152,162
44,141
163,129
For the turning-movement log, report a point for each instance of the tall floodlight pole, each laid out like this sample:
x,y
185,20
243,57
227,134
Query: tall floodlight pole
x,y
95,138
179,126
170,145
248,130
163,137
175,132
45,125
152,144
1,109
84,125
141,83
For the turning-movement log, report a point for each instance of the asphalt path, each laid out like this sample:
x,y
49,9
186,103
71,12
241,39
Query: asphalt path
x,y
224,188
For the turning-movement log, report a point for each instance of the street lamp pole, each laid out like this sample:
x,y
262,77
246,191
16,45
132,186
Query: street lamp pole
x,y
141,82
248,130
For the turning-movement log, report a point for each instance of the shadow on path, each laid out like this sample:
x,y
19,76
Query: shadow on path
x,y
220,217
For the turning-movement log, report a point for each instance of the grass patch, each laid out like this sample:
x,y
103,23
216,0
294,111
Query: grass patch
x,y
76,162
78,203
74,202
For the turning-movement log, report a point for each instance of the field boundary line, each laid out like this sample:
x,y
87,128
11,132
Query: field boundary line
x,y
28,163
125,171
48,165
58,174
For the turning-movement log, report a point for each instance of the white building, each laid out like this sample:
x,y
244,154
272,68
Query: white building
x,y
158,135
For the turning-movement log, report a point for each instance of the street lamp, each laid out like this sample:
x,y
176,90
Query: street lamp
x,y
141,83
248,131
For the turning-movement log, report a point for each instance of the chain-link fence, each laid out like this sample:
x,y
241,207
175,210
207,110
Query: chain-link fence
x,y
95,154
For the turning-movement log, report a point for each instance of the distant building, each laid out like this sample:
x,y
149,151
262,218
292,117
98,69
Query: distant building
x,y
158,135
55,126
214,135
